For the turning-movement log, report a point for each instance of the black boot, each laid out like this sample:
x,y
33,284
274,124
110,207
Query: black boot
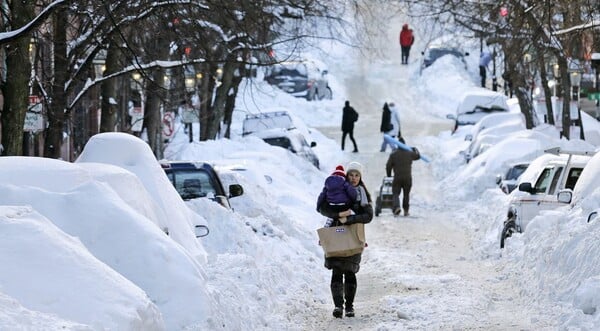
x,y
337,291
349,292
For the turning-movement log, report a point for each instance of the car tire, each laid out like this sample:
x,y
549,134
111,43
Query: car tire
x,y
507,231
378,206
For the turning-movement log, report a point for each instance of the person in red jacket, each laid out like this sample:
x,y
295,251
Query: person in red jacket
x,y
406,40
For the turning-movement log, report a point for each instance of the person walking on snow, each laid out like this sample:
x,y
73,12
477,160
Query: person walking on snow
x,y
484,60
390,123
407,39
400,161
343,269
349,116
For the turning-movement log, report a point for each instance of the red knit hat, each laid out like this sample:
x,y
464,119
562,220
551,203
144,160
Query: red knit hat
x,y
339,171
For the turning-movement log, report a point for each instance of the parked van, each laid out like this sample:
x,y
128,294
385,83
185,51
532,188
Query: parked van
x,y
539,187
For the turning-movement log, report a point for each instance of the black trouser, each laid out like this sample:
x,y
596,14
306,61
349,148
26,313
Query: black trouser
x,y
402,186
482,73
351,134
341,289
405,53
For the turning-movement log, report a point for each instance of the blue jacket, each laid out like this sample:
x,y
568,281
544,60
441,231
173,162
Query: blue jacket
x,y
337,191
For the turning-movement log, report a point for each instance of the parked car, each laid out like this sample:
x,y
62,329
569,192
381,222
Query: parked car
x,y
306,79
435,51
292,140
508,181
199,180
476,103
277,128
490,130
585,189
539,186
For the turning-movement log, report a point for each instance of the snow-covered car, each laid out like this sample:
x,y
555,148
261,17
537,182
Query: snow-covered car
x,y
194,180
279,128
583,193
291,140
490,130
508,181
475,104
435,51
539,186
304,78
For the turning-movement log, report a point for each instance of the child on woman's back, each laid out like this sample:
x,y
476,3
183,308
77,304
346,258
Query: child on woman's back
x,y
337,195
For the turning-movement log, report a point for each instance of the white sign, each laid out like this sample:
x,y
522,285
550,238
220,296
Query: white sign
x,y
137,118
190,115
33,122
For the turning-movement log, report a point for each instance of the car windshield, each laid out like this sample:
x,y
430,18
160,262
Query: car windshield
x,y
515,172
192,183
436,53
280,142
290,69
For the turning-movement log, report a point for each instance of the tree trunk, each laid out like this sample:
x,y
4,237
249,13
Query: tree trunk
x,y
230,102
15,87
218,107
56,113
566,87
108,115
152,118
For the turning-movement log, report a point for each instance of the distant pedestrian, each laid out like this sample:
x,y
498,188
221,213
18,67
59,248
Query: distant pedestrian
x,y
400,161
348,118
407,39
484,60
390,124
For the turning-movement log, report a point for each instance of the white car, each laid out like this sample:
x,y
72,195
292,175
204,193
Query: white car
x,y
476,103
539,186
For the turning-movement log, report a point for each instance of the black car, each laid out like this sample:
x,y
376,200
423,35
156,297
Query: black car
x,y
305,79
199,180
434,52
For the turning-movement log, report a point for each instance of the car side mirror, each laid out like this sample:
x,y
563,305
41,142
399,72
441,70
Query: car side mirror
x,y
235,190
526,187
313,144
564,196
201,231
469,137
498,179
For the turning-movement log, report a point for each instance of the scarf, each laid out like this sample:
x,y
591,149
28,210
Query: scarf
x,y
361,197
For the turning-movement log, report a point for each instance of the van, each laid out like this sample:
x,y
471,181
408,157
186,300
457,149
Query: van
x,y
539,186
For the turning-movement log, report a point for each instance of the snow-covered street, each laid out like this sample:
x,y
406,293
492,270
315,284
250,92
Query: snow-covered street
x,y
420,272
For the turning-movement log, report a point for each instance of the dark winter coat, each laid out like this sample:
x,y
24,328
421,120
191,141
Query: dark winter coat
x,y
337,191
362,214
348,118
386,119
400,161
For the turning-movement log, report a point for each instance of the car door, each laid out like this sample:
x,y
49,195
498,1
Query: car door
x,y
529,206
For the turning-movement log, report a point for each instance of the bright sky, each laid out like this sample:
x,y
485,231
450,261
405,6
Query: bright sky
x,y
83,247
